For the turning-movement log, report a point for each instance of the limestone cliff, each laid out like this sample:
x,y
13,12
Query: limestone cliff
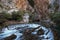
x,y
15,4
6,5
21,4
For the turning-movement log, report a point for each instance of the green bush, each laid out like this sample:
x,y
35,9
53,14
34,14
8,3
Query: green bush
x,y
56,18
6,15
2,18
17,16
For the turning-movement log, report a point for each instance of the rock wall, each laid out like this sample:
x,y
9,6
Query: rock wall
x,y
16,4
21,4
41,6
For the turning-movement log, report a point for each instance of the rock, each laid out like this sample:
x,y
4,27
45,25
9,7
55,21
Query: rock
x,y
10,37
40,32
26,18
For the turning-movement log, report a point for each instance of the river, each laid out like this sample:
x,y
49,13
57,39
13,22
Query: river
x,y
18,30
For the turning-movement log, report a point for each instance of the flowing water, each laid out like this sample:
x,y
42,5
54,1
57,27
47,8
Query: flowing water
x,y
19,29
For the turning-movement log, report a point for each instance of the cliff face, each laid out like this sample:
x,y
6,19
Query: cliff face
x,y
6,5
10,4
21,4
15,4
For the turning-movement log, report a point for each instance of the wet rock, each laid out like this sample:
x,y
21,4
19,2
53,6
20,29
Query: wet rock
x,y
10,37
29,36
40,32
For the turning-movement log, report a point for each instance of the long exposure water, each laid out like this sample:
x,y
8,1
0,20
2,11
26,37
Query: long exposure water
x,y
18,30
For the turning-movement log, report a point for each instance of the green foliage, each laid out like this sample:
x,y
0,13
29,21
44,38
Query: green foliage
x,y
34,17
56,6
17,15
56,18
6,15
56,15
1,5
2,18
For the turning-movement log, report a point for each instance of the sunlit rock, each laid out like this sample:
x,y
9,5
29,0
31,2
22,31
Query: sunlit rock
x,y
26,18
12,10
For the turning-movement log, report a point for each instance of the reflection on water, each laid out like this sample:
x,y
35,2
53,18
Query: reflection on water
x,y
22,29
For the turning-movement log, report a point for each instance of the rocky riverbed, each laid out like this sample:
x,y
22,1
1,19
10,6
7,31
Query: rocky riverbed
x,y
26,32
